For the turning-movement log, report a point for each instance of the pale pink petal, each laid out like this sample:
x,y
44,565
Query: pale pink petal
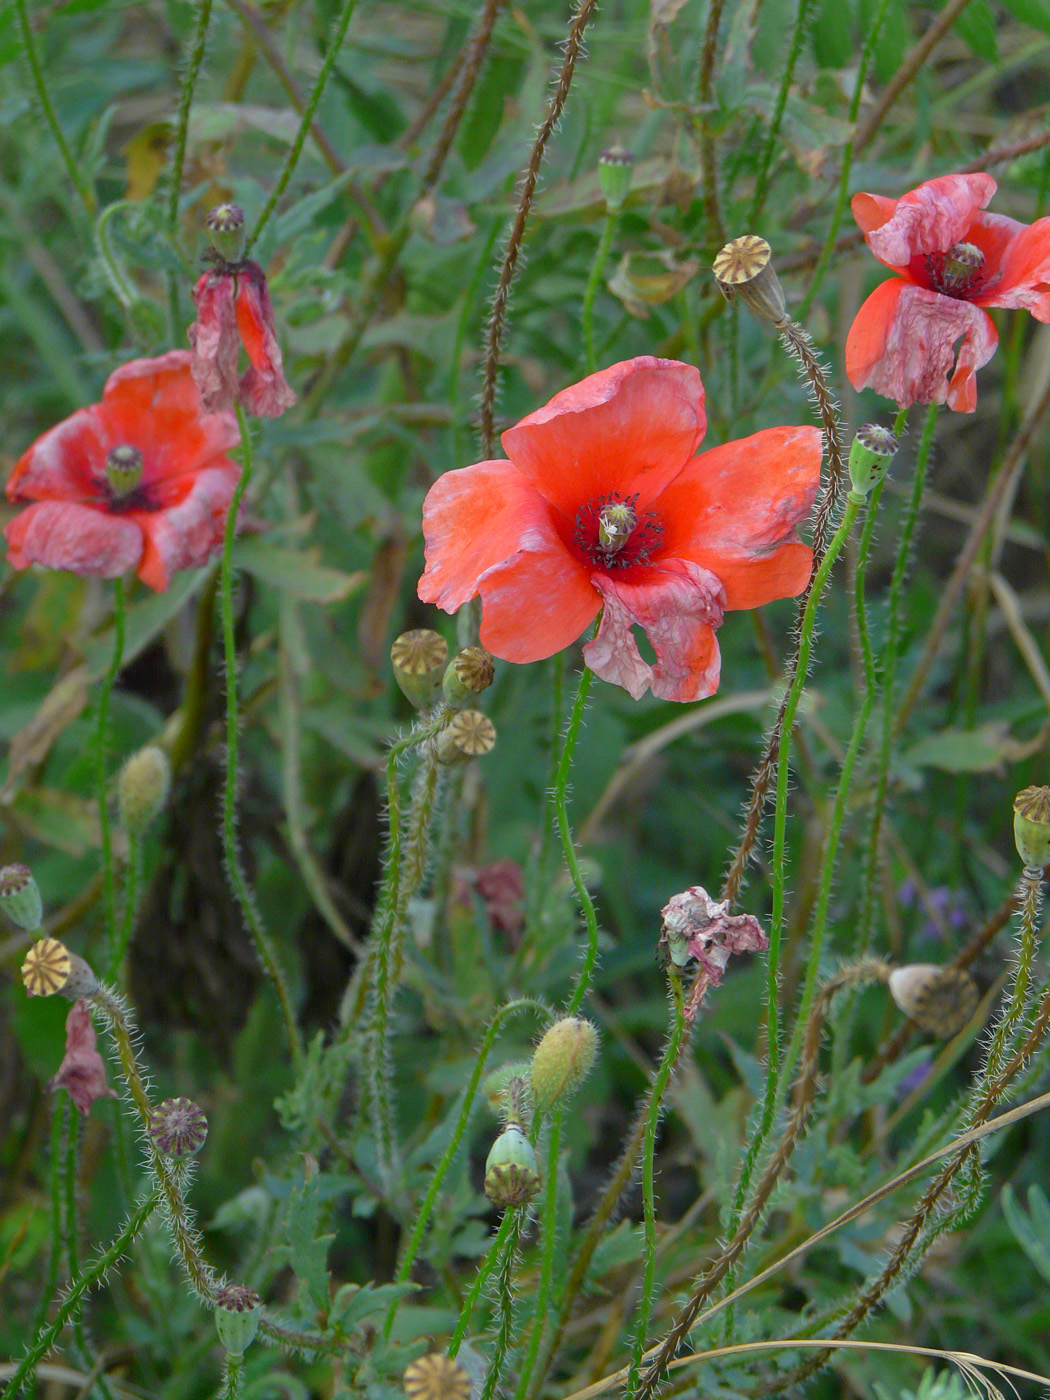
x,y
66,464
902,345
185,535
74,537
928,219
216,342
536,602
678,605
627,429
82,1071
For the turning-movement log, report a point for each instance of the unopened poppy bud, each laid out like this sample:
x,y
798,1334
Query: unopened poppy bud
x,y
940,1000
237,1317
142,788
178,1128
870,454
744,268
470,734
468,673
418,658
436,1377
614,176
562,1061
962,260
50,969
123,469
512,1177
225,224
1032,826
20,897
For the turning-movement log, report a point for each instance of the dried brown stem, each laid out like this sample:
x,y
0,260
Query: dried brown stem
x,y
497,318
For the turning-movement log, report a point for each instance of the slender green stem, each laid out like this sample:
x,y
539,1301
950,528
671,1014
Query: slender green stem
x,y
798,34
561,789
194,60
506,1235
593,283
335,44
550,1232
1000,1044
123,287
93,1273
263,946
132,885
504,1308
101,770
233,1377
36,68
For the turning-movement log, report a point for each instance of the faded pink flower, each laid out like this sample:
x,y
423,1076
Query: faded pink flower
x,y
501,889
697,926
234,309
82,1071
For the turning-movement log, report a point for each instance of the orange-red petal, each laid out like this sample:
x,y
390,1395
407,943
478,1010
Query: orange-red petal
x,y
928,219
628,429
678,605
1023,271
65,464
735,509
188,532
536,602
77,538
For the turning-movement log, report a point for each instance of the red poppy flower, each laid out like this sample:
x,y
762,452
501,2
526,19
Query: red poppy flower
x,y
139,481
234,309
951,260
604,505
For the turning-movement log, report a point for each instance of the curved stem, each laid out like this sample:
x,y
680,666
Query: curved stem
x,y
798,34
561,788
36,68
101,772
194,61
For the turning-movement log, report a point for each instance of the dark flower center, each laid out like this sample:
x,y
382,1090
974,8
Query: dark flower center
x,y
958,272
612,535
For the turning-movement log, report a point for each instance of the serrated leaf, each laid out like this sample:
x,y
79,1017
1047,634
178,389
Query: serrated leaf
x,y
1034,1241
352,1304
296,572
307,1246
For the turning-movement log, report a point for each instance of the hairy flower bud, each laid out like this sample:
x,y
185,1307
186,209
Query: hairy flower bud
x,y
237,1317
178,1128
614,176
870,454
1032,826
469,673
142,788
562,1061
512,1177
436,1377
20,897
418,658
49,968
470,734
744,268
940,1000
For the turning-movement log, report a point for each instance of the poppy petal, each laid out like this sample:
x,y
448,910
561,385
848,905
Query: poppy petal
x,y
678,605
735,508
902,345
65,464
75,537
216,342
536,602
186,535
928,219
629,429
1024,271
263,389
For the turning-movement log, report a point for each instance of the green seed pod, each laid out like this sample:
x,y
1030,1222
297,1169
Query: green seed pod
x,y
50,969
512,1177
940,1000
469,673
237,1312
1032,826
124,468
562,1061
870,454
142,788
470,734
178,1128
436,1377
418,658
614,176
744,269
20,897
225,225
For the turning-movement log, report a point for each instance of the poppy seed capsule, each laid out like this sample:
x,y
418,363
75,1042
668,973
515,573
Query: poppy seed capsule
x,y
940,1000
436,1377
468,673
1032,826
744,268
50,969
870,454
562,1061
418,658
142,788
470,734
225,224
237,1317
614,176
123,469
20,897
178,1128
512,1177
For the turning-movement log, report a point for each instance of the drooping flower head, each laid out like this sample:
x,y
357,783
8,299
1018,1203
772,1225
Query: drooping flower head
x,y
604,504
139,481
234,309
951,261
82,1071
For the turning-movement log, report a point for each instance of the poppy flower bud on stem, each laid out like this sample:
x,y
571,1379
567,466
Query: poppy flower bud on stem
x,y
744,268
142,788
178,1128
470,734
225,224
1032,828
237,1317
562,1061
469,673
614,176
870,454
20,897
418,658
940,1000
123,469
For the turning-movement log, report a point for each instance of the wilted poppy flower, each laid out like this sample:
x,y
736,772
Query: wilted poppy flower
x,y
234,309
603,505
139,481
82,1071
951,260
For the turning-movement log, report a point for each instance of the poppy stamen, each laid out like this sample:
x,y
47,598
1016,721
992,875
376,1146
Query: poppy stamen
x,y
956,272
611,533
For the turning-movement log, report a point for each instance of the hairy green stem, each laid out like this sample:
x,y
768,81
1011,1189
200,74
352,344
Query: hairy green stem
x,y
36,68
503,1243
101,771
194,62
546,1279
593,282
561,789
504,1308
798,34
